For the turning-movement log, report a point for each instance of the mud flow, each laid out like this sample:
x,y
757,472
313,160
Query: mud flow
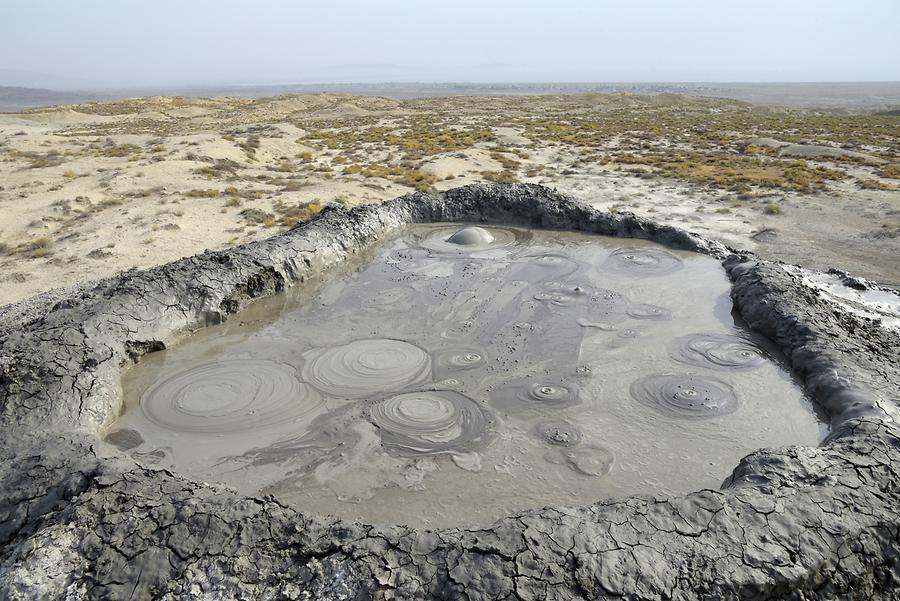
x,y
459,374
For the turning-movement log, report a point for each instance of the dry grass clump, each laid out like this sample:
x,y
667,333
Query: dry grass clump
x,y
258,217
508,163
535,170
891,170
220,168
208,193
405,176
288,215
504,177
735,172
509,173
285,214
37,160
759,149
121,150
147,192
107,203
37,248
250,146
876,184
293,185
110,149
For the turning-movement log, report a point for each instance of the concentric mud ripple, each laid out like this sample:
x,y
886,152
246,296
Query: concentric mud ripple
x,y
551,394
450,361
642,261
429,422
685,395
227,396
537,395
646,311
558,432
365,367
719,351
554,263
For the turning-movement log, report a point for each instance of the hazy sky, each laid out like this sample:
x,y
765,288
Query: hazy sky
x,y
131,42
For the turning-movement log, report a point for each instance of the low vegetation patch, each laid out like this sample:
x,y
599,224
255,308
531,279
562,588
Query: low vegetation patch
x,y
415,141
405,176
735,172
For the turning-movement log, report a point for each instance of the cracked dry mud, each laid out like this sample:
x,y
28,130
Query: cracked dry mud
x,y
80,519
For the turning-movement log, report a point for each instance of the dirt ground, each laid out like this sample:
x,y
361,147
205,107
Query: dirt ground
x,y
90,190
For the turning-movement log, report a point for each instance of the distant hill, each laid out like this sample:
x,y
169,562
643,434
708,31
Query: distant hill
x,y
21,78
839,96
16,99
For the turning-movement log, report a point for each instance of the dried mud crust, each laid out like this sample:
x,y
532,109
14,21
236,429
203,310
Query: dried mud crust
x,y
78,519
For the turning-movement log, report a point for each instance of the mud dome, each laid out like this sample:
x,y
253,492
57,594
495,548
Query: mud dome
x,y
438,386
84,518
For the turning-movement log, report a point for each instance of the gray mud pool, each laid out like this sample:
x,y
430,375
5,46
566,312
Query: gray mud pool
x,y
457,374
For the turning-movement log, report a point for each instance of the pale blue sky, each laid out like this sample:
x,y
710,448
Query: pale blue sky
x,y
130,42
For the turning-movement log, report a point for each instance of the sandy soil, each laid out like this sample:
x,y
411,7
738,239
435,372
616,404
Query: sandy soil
x,y
90,190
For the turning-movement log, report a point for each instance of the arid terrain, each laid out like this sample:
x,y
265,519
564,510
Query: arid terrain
x,y
90,190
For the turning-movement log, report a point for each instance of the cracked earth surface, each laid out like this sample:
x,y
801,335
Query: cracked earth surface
x,y
81,520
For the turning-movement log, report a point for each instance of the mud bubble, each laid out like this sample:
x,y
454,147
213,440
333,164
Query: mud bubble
x,y
471,236
472,239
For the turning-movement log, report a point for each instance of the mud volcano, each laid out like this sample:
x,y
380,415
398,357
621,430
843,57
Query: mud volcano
x,y
537,406
464,373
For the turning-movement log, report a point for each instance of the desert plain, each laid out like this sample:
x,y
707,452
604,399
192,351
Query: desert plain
x,y
90,190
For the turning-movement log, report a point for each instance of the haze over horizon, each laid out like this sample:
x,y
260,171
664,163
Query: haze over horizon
x,y
90,44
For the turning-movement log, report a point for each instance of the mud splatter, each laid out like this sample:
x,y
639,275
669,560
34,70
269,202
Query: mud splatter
x,y
558,432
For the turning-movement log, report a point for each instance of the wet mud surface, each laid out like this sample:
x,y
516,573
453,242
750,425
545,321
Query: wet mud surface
x,y
434,385
81,517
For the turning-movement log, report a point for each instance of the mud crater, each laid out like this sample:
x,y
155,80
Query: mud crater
x,y
463,373
80,518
